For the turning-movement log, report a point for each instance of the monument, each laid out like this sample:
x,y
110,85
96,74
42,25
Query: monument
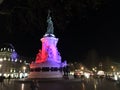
x,y
48,62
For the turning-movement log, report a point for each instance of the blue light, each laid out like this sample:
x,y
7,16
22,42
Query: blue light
x,y
14,55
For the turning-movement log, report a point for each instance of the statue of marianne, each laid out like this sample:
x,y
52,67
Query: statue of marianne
x,y
50,28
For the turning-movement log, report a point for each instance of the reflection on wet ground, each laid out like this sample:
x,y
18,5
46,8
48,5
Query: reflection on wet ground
x,y
75,84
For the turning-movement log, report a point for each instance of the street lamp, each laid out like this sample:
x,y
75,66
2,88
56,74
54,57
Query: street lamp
x,y
113,69
82,68
24,68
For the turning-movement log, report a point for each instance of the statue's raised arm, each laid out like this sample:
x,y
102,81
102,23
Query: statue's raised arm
x,y
50,28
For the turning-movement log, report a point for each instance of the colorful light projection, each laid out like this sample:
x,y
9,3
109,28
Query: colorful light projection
x,y
49,50
14,55
41,56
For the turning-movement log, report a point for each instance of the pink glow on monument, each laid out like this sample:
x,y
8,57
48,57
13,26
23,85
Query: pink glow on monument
x,y
49,51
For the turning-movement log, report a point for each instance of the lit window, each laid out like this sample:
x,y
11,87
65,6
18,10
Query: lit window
x,y
1,59
12,60
19,71
4,48
5,74
14,71
13,50
0,74
15,60
5,58
8,59
11,70
20,61
1,49
8,49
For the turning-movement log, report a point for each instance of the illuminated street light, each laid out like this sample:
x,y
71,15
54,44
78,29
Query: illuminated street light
x,y
94,69
24,68
112,67
82,68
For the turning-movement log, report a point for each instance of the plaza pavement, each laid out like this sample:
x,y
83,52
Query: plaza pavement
x,y
54,84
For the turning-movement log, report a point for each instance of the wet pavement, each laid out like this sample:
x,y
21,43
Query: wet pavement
x,y
73,84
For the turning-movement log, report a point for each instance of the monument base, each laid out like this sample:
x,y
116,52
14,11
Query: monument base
x,y
45,75
46,69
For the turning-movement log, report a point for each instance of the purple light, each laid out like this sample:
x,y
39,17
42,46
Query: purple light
x,y
14,55
49,51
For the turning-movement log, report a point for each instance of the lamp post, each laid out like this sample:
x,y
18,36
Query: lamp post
x,y
112,67
94,70
24,68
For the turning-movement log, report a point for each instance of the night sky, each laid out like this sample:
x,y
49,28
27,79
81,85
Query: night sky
x,y
80,25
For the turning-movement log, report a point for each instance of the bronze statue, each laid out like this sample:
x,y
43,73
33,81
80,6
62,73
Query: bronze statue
x,y
50,28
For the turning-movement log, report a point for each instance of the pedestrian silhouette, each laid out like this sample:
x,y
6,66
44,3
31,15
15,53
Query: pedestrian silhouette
x,y
2,80
9,77
34,85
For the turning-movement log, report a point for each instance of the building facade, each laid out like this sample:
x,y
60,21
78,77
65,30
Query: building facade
x,y
11,64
